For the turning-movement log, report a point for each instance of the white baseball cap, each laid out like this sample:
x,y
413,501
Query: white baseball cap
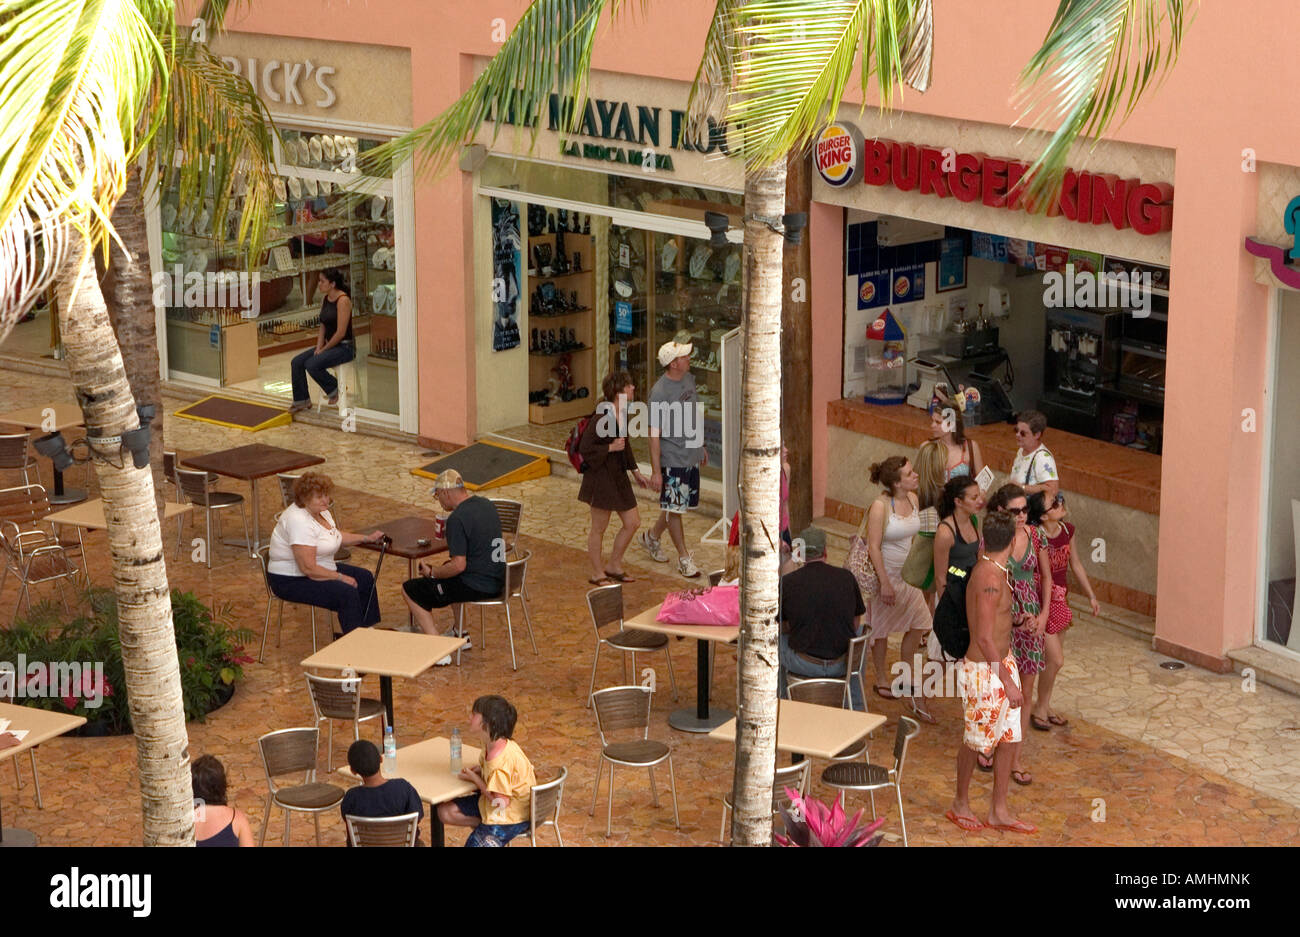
x,y
671,351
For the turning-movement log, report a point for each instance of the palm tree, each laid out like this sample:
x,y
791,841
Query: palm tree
x,y
781,67
85,85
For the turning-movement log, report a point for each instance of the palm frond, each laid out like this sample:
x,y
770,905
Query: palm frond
x,y
74,78
222,131
1096,54
717,68
549,51
794,59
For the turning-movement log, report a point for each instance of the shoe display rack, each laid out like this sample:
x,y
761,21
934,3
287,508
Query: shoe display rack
x,y
561,326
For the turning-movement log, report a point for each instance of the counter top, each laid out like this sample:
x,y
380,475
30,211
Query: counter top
x,y
1123,476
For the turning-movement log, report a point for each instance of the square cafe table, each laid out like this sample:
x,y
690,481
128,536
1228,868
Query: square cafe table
x,y
90,515
41,726
406,533
702,719
65,415
427,767
386,653
250,463
809,729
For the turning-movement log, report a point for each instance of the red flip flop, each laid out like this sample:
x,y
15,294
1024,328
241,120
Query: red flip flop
x,y
1020,826
965,824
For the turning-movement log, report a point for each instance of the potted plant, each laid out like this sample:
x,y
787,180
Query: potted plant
x,y
809,822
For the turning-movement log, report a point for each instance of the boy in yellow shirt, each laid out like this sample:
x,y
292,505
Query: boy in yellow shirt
x,y
504,777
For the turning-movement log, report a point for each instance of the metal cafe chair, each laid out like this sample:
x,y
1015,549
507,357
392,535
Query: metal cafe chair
x,y
622,708
383,831
864,776
516,573
15,456
545,800
28,550
854,659
194,487
289,751
264,561
511,514
796,776
605,603
340,698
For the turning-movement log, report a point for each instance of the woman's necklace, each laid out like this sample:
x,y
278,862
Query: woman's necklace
x,y
1049,531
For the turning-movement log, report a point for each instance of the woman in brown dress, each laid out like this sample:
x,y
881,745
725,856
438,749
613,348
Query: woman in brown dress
x,y
605,486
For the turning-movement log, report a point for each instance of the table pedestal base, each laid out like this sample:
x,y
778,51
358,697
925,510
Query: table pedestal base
x,y
68,496
688,720
17,838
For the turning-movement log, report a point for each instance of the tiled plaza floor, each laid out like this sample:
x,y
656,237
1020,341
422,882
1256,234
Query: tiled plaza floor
x,y
1180,758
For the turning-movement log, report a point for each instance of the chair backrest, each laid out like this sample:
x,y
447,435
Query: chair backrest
x,y
193,485
335,697
606,606
286,487
855,664
622,707
545,800
264,561
822,691
169,468
908,729
715,577
511,513
796,776
383,831
24,506
287,751
516,571
13,451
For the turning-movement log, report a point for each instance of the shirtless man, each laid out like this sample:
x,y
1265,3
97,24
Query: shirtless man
x,y
989,682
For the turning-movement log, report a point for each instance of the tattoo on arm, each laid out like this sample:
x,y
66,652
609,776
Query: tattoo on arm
x,y
992,590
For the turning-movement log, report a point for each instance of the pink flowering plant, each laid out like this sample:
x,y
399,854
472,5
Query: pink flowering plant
x,y
809,822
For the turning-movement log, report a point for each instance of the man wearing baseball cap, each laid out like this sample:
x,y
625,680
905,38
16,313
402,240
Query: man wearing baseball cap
x,y
476,568
674,456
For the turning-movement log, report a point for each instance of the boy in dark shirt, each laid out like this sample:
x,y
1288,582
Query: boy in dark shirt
x,y
821,611
377,796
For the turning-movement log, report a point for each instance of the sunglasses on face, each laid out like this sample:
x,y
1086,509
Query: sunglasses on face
x,y
1059,500
1020,510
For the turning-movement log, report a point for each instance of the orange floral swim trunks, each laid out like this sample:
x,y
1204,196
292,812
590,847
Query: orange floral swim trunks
x,y
990,718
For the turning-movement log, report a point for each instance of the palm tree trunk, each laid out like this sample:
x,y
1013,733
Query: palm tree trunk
x,y
760,487
127,286
153,681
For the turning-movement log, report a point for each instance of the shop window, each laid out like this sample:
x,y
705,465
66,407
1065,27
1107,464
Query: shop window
x,y
1282,505
243,332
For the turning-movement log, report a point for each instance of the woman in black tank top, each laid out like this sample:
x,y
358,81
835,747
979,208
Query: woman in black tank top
x,y
335,344
953,545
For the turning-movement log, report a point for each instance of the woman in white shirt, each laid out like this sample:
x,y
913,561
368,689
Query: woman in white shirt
x,y
301,567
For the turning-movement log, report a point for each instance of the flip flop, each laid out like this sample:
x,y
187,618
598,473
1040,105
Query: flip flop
x,y
1039,724
924,716
887,692
1020,826
1058,721
966,824
601,582
1016,775
979,763
619,577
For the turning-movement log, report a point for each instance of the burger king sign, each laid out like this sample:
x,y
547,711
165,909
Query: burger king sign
x,y
838,155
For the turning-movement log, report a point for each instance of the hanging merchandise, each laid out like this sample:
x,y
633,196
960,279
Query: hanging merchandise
x,y
505,276
700,259
668,256
623,317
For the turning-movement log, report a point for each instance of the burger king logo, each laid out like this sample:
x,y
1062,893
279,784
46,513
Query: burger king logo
x,y
901,286
868,291
838,155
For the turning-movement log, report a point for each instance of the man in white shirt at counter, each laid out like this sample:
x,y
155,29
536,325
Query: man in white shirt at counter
x,y
1034,468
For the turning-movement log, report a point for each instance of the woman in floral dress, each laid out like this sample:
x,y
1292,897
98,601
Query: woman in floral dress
x,y
1031,593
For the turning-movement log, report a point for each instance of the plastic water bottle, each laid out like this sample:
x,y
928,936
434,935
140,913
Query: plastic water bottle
x,y
455,751
390,753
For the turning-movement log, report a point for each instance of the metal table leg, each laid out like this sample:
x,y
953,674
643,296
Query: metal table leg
x,y
702,718
65,495
386,696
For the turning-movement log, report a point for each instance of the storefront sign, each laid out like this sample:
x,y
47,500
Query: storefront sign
x,y
284,88
505,274
838,155
1279,257
1087,198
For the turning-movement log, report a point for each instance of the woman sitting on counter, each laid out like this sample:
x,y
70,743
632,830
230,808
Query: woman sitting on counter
x,y
301,566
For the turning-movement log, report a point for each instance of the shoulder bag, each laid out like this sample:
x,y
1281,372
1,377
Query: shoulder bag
x,y
918,568
858,562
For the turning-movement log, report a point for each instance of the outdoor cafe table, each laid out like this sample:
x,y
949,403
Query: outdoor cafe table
x,y
406,532
701,719
90,515
249,463
386,653
427,767
809,729
65,416
41,726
